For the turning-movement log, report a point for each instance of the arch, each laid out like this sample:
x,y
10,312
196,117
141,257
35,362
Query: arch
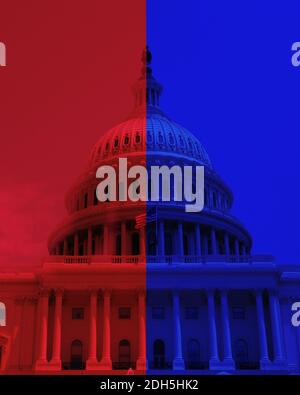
x,y
77,355
2,314
124,354
159,354
241,352
193,354
135,243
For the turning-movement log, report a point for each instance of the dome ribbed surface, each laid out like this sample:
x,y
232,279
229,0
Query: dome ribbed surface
x,y
154,134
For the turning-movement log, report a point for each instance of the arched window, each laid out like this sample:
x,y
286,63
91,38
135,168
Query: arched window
x,y
76,355
193,351
2,314
171,139
137,138
241,352
159,354
124,354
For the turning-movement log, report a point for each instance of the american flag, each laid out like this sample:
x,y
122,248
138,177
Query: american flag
x,y
148,217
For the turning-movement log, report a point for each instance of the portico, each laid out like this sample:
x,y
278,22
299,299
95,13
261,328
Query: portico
x,y
96,334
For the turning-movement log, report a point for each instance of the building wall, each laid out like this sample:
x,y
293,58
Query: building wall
x,y
22,331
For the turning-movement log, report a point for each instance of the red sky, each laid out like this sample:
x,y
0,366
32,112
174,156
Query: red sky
x,y
70,67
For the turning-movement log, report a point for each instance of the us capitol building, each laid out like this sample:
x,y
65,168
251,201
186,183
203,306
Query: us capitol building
x,y
148,286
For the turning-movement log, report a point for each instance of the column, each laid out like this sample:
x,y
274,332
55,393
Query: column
x,y
226,244
106,358
76,244
105,240
56,347
264,355
19,321
42,360
92,363
161,239
275,315
123,239
142,362
65,247
214,361
228,360
90,241
180,239
142,242
198,240
214,248
178,362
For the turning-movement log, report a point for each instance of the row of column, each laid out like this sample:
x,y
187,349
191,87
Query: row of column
x,y
201,242
92,361
228,360
107,239
178,362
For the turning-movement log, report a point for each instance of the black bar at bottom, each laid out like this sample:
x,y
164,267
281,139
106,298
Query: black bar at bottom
x,y
132,383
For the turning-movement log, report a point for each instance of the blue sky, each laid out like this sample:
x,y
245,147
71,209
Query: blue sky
x,y
227,76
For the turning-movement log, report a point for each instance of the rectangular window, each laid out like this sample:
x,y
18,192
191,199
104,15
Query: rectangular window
x,y
124,313
158,313
78,313
191,313
238,313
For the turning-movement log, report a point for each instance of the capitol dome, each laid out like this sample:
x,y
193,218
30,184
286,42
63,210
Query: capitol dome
x,y
149,137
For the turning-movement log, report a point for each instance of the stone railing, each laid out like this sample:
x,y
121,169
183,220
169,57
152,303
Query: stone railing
x,y
157,259
90,259
202,259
